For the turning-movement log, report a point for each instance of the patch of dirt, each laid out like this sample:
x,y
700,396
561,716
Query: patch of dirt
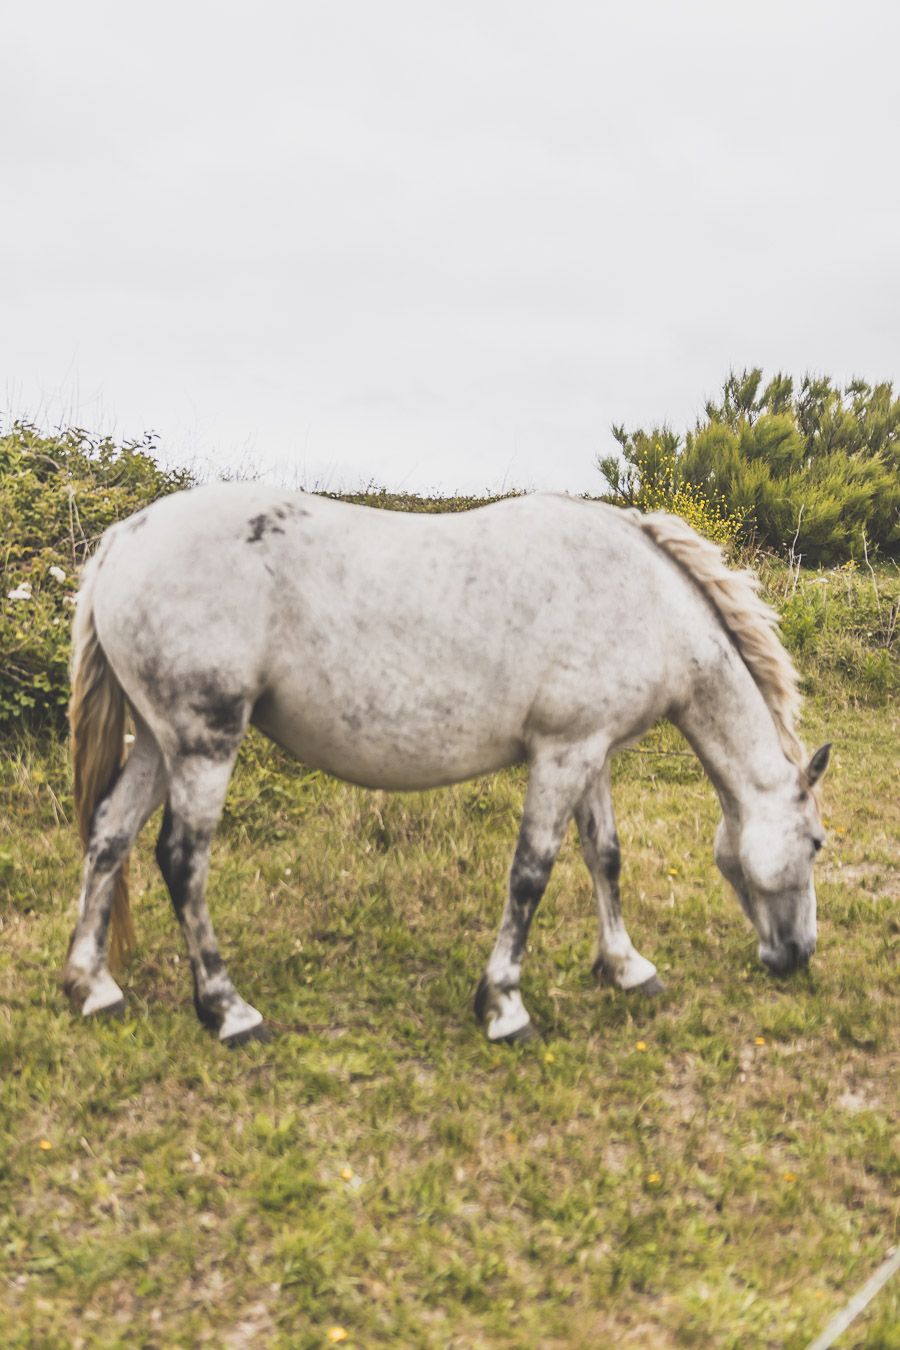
x,y
254,1328
879,879
856,1101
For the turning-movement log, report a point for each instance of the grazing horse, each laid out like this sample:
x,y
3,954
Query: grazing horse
x,y
406,651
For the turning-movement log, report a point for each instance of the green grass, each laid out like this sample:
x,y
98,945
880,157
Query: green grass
x,y
379,1166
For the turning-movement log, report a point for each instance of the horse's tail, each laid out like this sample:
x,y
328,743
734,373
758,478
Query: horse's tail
x,y
97,726
750,622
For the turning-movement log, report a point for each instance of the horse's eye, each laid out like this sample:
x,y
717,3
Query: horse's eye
x,y
817,844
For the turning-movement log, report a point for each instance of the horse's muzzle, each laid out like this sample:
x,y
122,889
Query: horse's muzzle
x,y
787,956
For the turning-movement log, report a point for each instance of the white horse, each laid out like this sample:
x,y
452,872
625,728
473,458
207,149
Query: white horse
x,y
408,651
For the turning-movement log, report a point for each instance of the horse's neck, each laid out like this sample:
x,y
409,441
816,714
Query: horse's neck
x,y
728,724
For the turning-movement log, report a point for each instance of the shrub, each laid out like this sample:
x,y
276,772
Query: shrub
x,y
816,472
841,624
653,482
57,496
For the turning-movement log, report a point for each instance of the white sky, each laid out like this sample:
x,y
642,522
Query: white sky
x,y
439,246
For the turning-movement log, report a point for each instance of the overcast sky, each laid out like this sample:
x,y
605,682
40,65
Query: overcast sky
x,y
438,245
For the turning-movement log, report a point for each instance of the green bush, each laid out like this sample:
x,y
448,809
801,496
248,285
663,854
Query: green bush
x,y
841,625
651,480
57,496
817,472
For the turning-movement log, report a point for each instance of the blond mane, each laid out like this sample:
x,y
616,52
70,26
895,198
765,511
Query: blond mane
x,y
749,621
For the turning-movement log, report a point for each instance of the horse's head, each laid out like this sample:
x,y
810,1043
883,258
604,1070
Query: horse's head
x,y
768,858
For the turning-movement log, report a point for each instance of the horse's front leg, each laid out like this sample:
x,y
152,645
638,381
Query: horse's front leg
x,y
617,960
197,787
555,782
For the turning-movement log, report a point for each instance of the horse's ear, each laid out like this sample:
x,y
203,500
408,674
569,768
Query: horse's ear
x,y
818,764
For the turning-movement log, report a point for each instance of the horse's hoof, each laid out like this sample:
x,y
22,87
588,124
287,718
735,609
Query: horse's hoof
x,y
651,987
520,1036
258,1033
104,997
116,1009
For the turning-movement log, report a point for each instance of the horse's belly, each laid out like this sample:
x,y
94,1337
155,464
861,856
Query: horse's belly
x,y
379,747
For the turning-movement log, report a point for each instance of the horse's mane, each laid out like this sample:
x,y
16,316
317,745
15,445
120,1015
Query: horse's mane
x,y
748,620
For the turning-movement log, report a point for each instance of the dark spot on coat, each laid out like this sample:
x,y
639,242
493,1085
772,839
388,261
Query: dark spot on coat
x,y
207,745
174,855
219,722
151,677
209,1015
611,861
111,852
528,878
222,713
135,522
212,961
259,526
290,508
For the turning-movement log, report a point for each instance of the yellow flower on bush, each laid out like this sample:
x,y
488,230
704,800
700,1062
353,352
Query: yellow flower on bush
x,y
659,489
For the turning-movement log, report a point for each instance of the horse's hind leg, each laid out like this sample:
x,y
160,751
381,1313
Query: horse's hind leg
x,y
554,785
197,787
617,961
137,792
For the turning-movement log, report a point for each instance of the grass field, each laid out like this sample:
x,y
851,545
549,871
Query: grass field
x,y
714,1168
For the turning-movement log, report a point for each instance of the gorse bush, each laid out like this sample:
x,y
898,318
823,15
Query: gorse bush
x,y
57,496
816,472
651,480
